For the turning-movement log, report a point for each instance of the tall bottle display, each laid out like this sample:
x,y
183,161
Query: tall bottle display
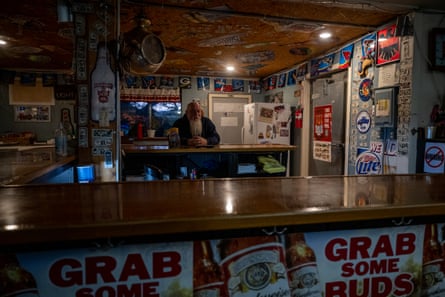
x,y
433,270
207,275
103,95
302,267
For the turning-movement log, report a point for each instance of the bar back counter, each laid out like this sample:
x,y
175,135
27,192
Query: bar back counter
x,y
319,236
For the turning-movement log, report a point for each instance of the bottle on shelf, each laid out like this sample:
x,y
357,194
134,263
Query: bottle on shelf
x,y
140,131
61,141
173,138
302,269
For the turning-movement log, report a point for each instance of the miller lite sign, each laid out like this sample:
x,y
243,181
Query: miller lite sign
x,y
369,162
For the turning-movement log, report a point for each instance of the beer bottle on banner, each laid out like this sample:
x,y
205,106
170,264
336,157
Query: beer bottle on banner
x,y
15,281
302,267
103,92
433,279
254,266
207,275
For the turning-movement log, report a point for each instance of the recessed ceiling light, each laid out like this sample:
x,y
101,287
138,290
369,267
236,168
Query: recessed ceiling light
x,y
2,42
230,68
325,35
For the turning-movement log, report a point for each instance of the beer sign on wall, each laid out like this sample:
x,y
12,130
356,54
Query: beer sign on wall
x,y
378,262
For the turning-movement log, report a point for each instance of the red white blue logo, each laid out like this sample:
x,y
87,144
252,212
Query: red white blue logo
x,y
363,121
368,163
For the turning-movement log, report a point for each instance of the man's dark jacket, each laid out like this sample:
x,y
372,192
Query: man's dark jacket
x,y
208,130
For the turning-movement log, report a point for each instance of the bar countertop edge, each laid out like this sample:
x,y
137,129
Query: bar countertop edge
x,y
107,210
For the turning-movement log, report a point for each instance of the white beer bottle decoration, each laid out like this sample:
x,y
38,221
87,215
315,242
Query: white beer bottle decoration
x,y
103,92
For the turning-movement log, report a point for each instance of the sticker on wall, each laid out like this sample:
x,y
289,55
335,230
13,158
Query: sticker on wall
x,y
148,82
219,84
281,80
363,121
301,71
345,56
323,123
368,162
388,45
254,86
368,54
203,83
292,77
434,158
364,89
322,65
185,82
322,151
238,85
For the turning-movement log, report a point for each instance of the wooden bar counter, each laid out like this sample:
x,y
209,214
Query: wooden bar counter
x,y
36,214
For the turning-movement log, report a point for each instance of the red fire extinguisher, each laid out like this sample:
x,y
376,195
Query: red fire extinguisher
x,y
299,118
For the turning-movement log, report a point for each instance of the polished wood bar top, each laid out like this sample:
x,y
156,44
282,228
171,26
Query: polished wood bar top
x,y
23,164
221,148
56,213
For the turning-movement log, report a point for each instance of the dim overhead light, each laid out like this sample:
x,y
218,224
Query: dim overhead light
x,y
2,42
325,35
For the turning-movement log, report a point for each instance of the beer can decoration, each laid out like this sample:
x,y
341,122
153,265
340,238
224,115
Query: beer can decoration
x,y
254,266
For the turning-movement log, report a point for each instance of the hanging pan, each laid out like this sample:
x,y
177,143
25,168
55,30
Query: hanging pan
x,y
142,52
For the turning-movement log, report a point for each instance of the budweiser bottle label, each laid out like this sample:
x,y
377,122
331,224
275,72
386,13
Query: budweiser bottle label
x,y
256,271
304,281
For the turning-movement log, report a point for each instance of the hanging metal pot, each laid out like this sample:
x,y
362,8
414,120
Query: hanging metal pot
x,y
142,52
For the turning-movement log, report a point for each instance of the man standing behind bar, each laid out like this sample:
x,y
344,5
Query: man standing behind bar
x,y
195,129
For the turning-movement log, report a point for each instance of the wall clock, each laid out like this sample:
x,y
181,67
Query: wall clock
x,y
437,48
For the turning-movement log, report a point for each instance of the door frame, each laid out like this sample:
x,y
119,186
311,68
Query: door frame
x,y
212,96
347,121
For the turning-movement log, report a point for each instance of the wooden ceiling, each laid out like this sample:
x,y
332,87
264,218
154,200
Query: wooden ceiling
x,y
258,37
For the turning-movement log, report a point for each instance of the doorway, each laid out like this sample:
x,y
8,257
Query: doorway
x,y
227,112
327,128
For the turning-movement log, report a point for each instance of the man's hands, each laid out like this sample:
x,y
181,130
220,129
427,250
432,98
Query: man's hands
x,y
196,141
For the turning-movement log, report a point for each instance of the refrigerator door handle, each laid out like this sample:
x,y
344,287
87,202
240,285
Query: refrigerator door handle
x,y
242,135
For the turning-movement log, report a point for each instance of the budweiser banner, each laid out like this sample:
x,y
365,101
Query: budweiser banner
x,y
378,262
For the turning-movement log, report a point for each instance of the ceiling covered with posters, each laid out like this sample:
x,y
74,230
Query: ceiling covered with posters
x,y
202,37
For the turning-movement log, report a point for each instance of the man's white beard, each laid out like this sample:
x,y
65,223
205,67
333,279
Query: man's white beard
x,y
196,127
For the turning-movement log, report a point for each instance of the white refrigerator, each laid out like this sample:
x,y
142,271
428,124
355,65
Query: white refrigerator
x,y
266,123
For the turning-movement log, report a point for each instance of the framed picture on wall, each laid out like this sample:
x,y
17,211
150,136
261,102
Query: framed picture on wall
x,y
29,113
436,48
388,45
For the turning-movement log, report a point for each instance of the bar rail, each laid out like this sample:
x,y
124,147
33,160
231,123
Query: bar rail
x,y
32,214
